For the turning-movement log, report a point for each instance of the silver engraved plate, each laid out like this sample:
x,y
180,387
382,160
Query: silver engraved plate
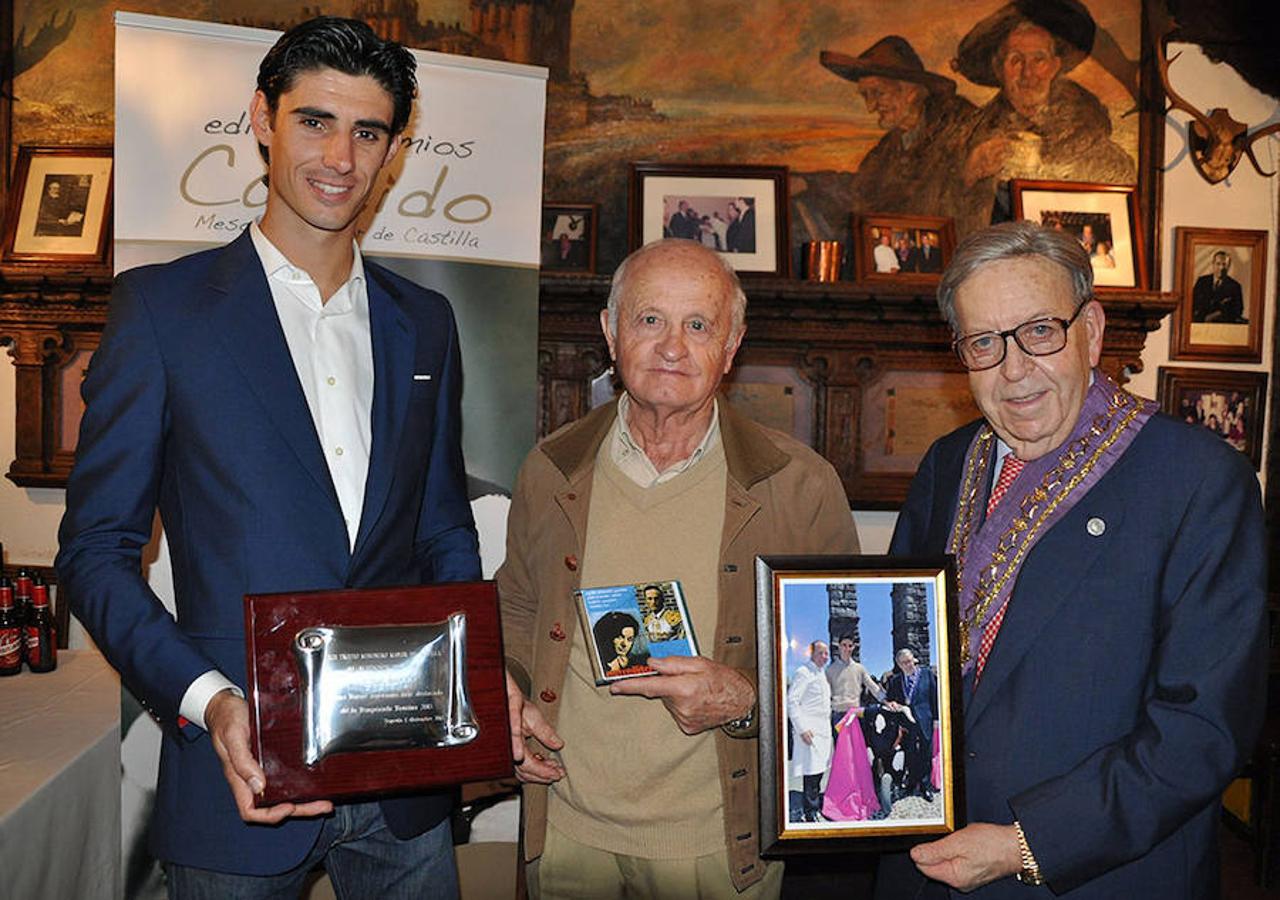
x,y
393,687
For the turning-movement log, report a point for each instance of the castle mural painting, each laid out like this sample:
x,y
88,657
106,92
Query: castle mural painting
x,y
920,107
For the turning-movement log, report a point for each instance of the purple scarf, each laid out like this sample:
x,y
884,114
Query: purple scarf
x,y
990,555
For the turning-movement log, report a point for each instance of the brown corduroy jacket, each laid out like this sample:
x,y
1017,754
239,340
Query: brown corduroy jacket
x,y
781,498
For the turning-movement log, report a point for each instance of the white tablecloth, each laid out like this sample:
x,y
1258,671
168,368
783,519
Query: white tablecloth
x,y
60,781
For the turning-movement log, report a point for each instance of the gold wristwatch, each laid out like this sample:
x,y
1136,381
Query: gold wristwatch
x,y
1030,873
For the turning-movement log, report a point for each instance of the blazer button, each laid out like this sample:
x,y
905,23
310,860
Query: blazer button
x,y
571,496
571,563
557,632
548,695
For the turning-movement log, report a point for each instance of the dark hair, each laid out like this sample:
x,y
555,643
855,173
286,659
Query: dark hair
x,y
608,627
348,46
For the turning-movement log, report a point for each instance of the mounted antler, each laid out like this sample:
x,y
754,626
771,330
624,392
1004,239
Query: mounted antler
x,y
1216,140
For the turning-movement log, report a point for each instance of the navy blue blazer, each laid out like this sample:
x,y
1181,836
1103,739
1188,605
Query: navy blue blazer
x,y
1127,683
194,408
924,702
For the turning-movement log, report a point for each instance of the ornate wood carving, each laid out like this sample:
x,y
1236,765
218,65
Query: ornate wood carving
x,y
48,322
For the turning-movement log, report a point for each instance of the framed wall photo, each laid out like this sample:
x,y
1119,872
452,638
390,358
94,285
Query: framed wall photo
x,y
1231,404
569,238
1219,273
902,248
739,211
1102,217
849,762
60,206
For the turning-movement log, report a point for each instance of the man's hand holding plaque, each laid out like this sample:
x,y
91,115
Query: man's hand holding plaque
x,y
228,719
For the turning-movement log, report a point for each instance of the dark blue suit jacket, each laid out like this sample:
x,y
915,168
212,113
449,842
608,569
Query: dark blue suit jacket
x,y
924,702
1127,683
194,408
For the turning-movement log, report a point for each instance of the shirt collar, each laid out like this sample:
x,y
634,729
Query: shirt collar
x,y
626,442
277,266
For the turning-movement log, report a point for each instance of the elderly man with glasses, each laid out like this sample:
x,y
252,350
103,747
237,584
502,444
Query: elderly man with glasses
x,y
1111,600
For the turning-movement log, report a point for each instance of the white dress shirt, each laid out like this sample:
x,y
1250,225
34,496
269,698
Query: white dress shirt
x,y
332,349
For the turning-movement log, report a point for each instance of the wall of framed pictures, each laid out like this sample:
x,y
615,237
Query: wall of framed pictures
x,y
1237,216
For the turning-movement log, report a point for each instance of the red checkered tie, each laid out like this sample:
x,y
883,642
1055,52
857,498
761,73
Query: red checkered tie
x,y
1010,468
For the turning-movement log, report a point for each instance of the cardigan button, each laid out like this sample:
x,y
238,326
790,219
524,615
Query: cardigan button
x,y
557,632
548,696
571,563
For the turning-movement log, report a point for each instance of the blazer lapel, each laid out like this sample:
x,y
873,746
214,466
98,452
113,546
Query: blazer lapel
x,y
394,343
1057,564
243,315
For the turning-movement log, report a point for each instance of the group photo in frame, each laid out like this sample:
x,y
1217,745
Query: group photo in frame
x,y
738,211
890,247
1220,276
59,207
568,238
1231,404
859,702
1102,217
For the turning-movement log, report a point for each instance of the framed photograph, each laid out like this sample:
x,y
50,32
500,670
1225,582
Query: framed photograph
x,y
60,206
1102,217
902,248
626,625
1231,404
859,702
1219,274
739,211
569,238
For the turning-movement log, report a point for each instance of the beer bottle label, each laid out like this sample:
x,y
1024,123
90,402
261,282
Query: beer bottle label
x,y
10,648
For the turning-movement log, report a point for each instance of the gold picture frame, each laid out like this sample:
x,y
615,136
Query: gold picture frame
x,y
874,796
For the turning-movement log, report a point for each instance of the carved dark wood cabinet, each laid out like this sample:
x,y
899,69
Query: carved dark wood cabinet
x,y
50,323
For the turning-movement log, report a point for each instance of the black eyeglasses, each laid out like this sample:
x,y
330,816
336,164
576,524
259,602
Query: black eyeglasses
x,y
1039,337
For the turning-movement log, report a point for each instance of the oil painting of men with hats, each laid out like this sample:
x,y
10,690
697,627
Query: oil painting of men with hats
x,y
926,126
1040,124
949,144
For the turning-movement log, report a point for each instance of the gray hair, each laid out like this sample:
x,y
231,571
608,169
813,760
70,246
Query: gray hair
x,y
1011,240
618,286
903,651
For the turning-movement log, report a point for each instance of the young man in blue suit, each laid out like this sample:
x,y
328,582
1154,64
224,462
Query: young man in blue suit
x,y
1111,601
293,412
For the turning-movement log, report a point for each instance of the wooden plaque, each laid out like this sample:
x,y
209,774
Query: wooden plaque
x,y
278,693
